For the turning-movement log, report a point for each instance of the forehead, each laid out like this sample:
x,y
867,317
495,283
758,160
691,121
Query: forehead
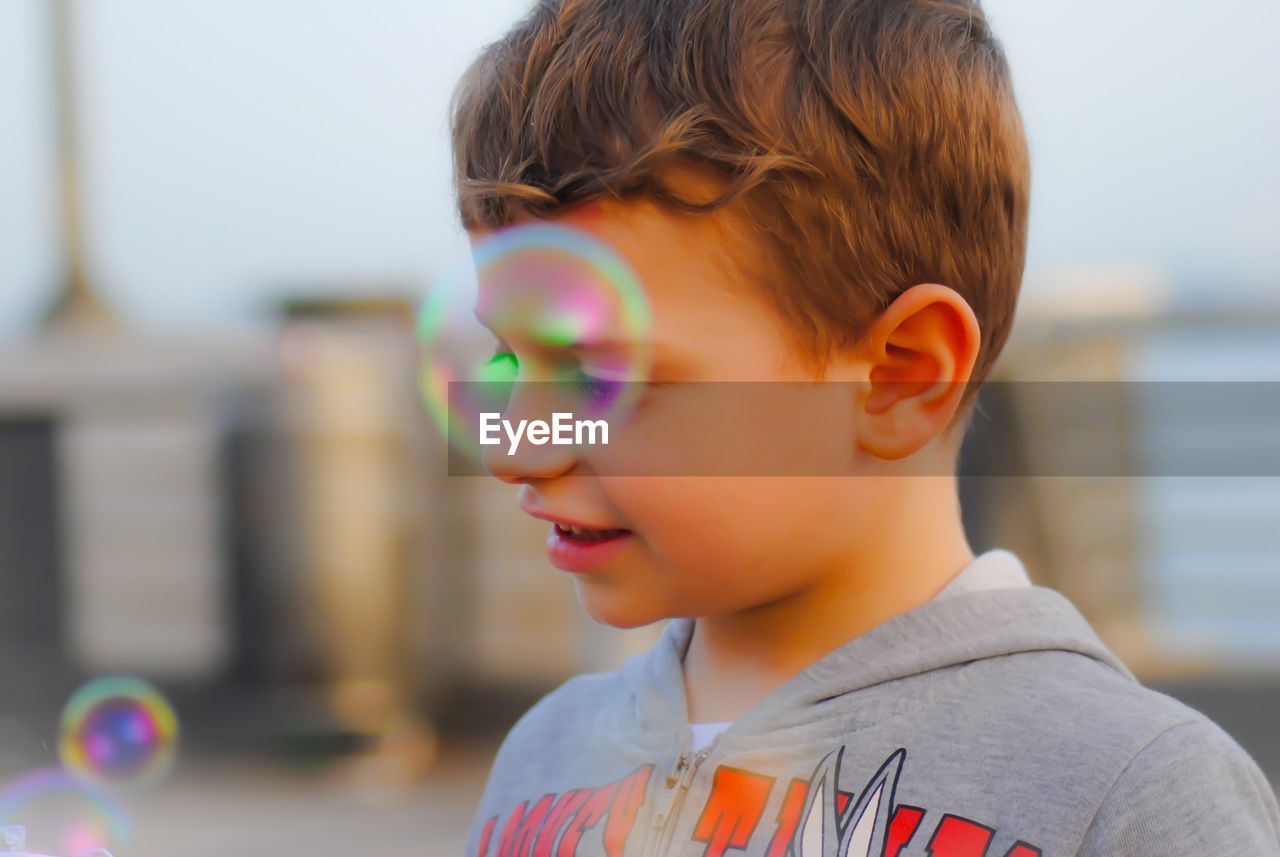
x,y
693,269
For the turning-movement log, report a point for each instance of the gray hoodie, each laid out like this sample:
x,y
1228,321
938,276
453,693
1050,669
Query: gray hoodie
x,y
992,723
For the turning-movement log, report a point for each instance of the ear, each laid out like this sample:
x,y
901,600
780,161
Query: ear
x,y
916,359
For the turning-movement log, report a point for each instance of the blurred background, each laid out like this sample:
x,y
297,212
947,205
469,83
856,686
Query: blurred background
x,y
216,220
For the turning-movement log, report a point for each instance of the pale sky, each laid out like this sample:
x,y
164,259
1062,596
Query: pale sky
x,y
237,148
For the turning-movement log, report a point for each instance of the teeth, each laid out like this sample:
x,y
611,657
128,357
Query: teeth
x,y
583,534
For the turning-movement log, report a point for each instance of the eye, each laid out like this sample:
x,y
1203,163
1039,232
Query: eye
x,y
503,366
494,380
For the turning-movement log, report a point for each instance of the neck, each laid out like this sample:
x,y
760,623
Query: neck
x,y
735,660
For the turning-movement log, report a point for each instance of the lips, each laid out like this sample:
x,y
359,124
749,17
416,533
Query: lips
x,y
577,546
584,550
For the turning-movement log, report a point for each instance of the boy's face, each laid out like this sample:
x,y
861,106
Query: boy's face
x,y
688,545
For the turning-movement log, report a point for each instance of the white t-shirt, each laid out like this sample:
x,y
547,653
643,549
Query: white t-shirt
x,y
997,569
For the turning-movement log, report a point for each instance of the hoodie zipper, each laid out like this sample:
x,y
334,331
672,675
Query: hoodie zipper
x,y
680,778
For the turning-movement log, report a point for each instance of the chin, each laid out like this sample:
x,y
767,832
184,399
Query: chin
x,y
616,610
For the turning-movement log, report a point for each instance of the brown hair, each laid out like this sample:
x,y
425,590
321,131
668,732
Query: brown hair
x,y
871,144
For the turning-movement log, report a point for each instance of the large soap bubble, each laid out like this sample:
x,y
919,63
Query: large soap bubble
x,y
564,298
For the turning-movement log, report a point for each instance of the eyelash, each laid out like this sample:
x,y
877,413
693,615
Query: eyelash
x,y
589,385
500,355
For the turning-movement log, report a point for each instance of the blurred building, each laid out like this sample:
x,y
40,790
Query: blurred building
x,y
1127,447
268,514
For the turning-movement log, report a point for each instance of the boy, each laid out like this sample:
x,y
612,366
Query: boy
x,y
809,190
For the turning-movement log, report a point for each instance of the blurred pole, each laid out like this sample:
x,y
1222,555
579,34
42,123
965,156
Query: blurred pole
x,y
356,484
76,306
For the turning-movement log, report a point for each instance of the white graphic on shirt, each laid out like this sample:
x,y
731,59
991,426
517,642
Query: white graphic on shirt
x,y
861,830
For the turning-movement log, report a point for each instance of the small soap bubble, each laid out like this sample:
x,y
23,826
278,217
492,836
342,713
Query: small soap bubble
x,y
537,302
63,815
119,732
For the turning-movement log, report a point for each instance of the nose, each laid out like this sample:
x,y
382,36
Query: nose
x,y
515,459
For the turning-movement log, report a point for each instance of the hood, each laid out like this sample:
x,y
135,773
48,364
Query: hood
x,y
943,633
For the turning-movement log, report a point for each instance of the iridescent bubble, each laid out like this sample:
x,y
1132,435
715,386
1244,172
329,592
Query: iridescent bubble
x,y
119,732
536,302
63,815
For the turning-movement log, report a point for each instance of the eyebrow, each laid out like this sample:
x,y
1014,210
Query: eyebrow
x,y
663,359
593,346
586,346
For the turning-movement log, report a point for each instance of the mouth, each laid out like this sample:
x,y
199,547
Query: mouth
x,y
587,535
583,550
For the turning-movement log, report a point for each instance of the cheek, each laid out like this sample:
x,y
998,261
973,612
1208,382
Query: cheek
x,y
752,537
